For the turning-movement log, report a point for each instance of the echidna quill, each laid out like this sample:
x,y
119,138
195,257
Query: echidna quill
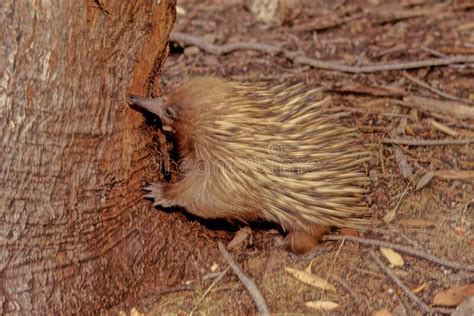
x,y
253,152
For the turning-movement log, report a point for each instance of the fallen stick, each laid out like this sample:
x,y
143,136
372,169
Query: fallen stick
x,y
428,142
434,90
403,248
298,58
246,281
216,280
425,308
455,174
450,108
408,292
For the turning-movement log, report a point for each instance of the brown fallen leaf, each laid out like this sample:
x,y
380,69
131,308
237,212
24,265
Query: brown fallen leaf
x,y
424,180
390,216
417,222
453,296
310,279
323,305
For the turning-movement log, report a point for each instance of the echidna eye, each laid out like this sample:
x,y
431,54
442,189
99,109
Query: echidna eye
x,y
169,113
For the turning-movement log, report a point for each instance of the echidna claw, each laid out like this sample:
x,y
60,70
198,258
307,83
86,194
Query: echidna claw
x,y
154,192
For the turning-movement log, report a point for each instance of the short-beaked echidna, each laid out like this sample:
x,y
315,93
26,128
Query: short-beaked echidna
x,y
253,152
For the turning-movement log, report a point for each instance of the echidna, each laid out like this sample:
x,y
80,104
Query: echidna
x,y
252,152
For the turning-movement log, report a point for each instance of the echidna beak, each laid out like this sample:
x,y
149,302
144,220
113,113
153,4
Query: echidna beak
x,y
150,105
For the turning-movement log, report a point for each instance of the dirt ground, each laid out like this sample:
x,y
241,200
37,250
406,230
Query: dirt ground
x,y
436,218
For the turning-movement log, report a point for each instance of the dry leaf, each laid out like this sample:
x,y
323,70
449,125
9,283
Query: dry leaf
x,y
393,257
419,288
453,296
239,237
390,216
324,305
382,312
416,222
134,312
311,279
424,180
403,165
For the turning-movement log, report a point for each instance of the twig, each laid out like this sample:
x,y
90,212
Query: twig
x,y
382,160
376,67
216,280
390,216
332,266
174,289
451,121
297,58
428,142
433,51
425,308
453,109
246,281
335,21
372,274
344,285
223,49
406,304
433,89
443,128
455,174
403,248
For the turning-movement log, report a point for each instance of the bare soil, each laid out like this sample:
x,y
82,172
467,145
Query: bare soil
x,y
380,31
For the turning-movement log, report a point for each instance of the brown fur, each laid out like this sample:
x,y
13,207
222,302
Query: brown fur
x,y
253,152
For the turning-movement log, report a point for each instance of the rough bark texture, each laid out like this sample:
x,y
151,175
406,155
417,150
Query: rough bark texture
x,y
75,234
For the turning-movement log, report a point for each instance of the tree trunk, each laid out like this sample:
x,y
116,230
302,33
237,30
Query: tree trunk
x,y
75,234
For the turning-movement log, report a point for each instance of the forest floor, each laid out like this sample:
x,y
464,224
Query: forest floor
x,y
422,196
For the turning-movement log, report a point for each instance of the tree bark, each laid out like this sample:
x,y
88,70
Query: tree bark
x,y
75,234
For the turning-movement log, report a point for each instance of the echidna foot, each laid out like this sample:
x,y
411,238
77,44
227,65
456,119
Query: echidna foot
x,y
156,192
303,241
